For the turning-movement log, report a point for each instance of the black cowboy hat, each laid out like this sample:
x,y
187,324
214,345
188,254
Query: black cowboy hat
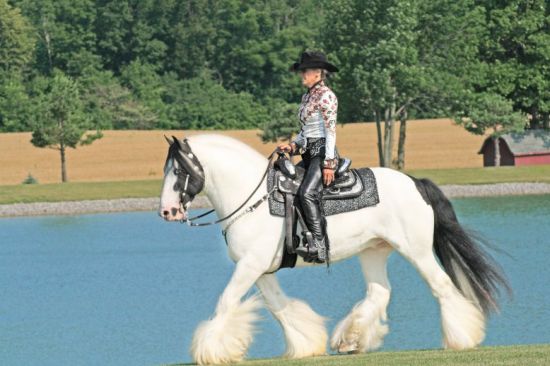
x,y
313,60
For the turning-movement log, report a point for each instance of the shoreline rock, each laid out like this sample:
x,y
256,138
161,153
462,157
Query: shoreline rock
x,y
498,189
151,204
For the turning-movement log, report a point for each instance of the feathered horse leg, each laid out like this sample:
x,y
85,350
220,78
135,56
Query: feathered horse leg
x,y
364,328
304,329
225,338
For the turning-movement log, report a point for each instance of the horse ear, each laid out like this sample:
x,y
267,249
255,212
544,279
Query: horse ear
x,y
185,145
170,142
176,141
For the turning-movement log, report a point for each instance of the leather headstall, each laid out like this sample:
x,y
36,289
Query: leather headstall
x,y
190,174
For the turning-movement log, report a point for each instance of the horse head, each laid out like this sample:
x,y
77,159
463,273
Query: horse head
x,y
183,180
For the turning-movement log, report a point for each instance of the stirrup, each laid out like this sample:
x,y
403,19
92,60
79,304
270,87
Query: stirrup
x,y
303,248
314,251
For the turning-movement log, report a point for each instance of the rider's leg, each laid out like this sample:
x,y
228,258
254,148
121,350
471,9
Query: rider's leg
x,y
309,195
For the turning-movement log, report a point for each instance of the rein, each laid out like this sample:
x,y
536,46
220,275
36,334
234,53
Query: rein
x,y
251,208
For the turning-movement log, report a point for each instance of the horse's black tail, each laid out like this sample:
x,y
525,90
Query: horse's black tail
x,y
473,271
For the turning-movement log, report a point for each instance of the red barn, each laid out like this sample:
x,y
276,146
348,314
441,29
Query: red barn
x,y
527,148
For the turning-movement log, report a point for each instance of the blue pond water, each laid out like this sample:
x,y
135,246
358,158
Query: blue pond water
x,y
114,289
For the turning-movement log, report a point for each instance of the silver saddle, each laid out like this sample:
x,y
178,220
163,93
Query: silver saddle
x,y
347,183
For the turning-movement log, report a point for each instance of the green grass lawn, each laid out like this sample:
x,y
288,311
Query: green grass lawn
x,y
151,188
24,193
528,355
535,173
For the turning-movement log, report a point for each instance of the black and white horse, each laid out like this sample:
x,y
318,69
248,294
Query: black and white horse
x,y
413,218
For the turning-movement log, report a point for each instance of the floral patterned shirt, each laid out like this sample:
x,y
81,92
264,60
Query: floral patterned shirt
x,y
317,115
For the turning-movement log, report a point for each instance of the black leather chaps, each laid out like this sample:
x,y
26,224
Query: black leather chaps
x,y
309,194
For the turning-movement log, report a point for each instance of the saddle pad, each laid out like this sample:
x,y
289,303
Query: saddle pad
x,y
368,197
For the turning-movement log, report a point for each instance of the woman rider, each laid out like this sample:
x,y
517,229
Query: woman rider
x,y
317,140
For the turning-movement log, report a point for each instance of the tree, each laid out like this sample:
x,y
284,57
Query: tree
x,y
245,46
517,52
16,39
450,35
282,123
113,106
16,52
15,105
148,90
375,45
255,43
403,59
203,103
512,79
66,35
128,30
190,33
490,111
60,121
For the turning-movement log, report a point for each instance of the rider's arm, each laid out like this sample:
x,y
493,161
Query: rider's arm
x,y
329,108
299,141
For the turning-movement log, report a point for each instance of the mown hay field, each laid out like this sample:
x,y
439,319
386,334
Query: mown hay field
x,y
139,155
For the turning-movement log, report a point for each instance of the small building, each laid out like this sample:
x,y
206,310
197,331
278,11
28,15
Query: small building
x,y
531,147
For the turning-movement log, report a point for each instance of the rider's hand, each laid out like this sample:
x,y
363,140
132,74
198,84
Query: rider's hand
x,y
328,176
288,148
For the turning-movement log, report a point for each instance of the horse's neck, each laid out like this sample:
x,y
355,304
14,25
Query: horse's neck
x,y
232,171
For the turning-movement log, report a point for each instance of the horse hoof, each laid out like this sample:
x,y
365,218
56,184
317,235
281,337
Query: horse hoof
x,y
348,348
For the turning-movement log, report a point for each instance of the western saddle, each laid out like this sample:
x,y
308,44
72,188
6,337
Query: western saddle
x,y
288,177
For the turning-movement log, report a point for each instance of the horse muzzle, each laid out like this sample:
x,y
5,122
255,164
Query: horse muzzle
x,y
173,214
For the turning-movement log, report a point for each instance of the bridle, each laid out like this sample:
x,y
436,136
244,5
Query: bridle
x,y
179,172
189,173
195,172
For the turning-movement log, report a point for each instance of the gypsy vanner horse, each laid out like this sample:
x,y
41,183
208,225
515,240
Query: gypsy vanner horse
x,y
413,218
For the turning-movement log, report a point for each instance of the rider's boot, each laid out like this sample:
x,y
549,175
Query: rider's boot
x,y
315,250
309,194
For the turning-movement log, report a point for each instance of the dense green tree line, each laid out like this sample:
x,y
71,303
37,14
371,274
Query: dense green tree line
x,y
216,64
155,64
147,57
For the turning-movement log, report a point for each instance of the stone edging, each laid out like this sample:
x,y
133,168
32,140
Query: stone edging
x,y
499,189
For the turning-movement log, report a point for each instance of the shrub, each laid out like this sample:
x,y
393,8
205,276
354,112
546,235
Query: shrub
x,y
30,180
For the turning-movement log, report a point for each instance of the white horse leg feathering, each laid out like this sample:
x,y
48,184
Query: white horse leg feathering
x,y
304,330
226,337
403,221
364,328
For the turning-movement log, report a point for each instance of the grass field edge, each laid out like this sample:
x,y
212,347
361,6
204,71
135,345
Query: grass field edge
x,y
534,354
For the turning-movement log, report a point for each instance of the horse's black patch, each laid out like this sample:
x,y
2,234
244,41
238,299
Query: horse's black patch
x,y
421,186
368,197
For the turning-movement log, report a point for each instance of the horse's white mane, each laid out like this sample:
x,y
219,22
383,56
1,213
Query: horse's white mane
x,y
230,147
